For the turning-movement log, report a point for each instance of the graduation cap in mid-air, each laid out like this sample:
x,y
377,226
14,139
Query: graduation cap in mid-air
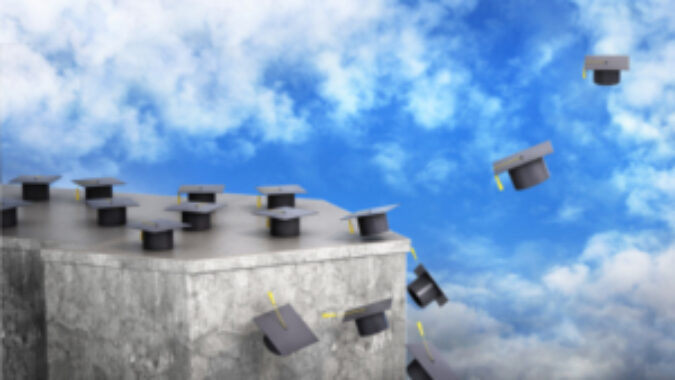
x,y
112,211
201,193
35,187
9,206
157,234
96,188
428,363
606,68
285,332
372,221
285,221
196,214
526,168
370,319
281,195
425,289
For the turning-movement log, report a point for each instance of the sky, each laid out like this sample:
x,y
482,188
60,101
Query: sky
x,y
410,102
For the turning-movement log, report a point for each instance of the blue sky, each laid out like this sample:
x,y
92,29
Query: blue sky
x,y
395,102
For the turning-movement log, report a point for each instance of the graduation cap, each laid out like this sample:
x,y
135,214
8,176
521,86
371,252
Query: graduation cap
x,y
112,211
526,168
157,234
9,207
196,214
35,187
428,364
201,193
281,195
372,221
285,221
96,188
370,319
286,334
606,68
424,289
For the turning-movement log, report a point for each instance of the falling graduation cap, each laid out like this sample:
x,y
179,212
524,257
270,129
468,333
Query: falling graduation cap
x,y
196,214
157,234
9,207
285,221
428,364
372,221
96,188
370,319
606,68
112,211
281,195
526,168
425,289
285,332
201,193
35,187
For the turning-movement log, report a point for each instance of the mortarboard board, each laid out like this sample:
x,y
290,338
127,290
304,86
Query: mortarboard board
x,y
606,68
284,341
112,211
370,319
526,168
9,207
96,188
157,234
422,367
196,214
424,289
285,221
35,187
201,193
372,221
281,195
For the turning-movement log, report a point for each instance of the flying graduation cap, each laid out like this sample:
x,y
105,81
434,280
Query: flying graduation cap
x,y
96,188
285,332
425,289
9,206
606,68
112,211
196,214
370,319
285,221
281,195
201,193
157,234
372,221
526,168
35,187
428,363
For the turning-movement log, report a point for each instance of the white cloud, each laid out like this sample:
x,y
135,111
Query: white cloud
x,y
391,158
569,212
435,173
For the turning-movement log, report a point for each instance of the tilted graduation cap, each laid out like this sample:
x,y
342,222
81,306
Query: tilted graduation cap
x,y
370,319
9,207
372,221
196,214
35,187
425,289
96,188
285,221
281,195
426,367
284,339
606,68
112,211
201,193
526,168
157,234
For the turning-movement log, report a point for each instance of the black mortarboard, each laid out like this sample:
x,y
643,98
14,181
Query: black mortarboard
x,y
284,341
96,188
372,221
112,211
424,289
9,207
370,319
158,233
422,367
281,195
196,214
606,68
526,168
285,221
35,187
201,193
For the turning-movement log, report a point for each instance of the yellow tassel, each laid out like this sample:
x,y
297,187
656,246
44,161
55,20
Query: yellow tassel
x,y
499,183
270,295
77,194
414,254
259,202
178,198
583,73
351,226
267,222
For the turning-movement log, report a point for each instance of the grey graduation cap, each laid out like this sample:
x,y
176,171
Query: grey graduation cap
x,y
201,193
370,319
112,211
158,233
9,207
423,368
606,68
425,289
35,187
284,341
285,221
526,168
372,221
196,214
281,195
96,188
